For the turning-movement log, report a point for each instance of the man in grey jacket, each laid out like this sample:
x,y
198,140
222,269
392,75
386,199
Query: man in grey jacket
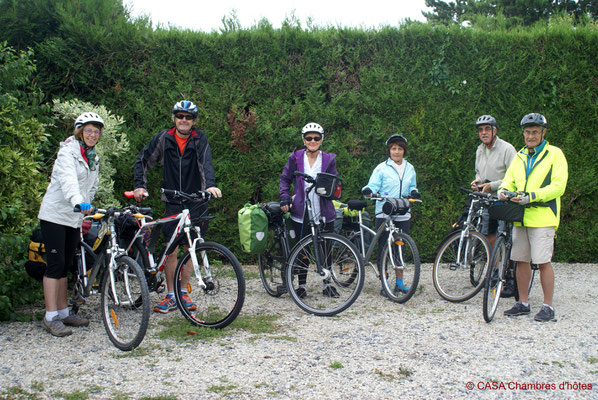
x,y
492,159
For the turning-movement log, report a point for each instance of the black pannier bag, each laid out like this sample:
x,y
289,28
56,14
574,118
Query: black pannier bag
x,y
394,206
328,186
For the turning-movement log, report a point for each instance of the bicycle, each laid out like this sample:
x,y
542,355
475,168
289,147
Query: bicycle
x,y
271,263
209,270
501,268
461,264
400,253
313,270
124,293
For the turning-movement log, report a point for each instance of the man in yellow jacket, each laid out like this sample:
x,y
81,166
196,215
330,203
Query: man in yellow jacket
x,y
539,173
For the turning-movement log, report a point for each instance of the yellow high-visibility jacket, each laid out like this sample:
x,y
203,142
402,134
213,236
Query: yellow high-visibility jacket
x,y
545,184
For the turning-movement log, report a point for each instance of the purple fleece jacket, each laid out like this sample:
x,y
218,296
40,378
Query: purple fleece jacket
x,y
295,163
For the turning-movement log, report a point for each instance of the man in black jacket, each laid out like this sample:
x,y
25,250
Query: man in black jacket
x,y
185,155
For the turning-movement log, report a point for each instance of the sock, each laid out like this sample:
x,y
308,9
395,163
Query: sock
x,y
399,282
62,314
50,315
524,304
183,292
547,306
170,294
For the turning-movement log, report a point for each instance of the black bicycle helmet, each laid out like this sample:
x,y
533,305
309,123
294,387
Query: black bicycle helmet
x,y
396,138
186,106
486,120
534,119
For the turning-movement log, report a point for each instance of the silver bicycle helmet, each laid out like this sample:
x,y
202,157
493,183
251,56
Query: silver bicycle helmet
x,y
396,138
534,119
186,106
312,127
486,120
89,118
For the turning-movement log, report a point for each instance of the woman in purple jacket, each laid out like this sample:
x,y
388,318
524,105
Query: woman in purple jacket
x,y
310,160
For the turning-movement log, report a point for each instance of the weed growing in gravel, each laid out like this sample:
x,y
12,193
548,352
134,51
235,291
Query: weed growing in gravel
x,y
383,375
558,364
221,388
160,397
593,360
402,374
120,396
76,395
17,393
37,386
336,365
138,352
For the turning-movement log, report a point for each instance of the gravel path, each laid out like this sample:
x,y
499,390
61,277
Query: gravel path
x,y
425,349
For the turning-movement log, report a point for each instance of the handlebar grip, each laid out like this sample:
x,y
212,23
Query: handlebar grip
x,y
77,208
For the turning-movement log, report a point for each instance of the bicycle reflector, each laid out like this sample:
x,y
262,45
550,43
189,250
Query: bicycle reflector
x,y
395,206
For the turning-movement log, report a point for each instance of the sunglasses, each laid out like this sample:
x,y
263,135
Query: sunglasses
x,y
314,138
183,116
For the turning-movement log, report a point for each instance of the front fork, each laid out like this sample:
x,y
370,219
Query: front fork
x,y
391,240
194,259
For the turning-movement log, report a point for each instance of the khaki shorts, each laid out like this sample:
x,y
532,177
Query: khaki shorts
x,y
533,244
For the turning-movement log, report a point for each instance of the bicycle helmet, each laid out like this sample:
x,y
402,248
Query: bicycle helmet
x,y
534,119
186,106
486,120
89,118
312,127
396,138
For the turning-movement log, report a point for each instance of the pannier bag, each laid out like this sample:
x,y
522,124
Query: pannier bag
x,y
36,262
509,211
95,233
253,229
328,186
395,206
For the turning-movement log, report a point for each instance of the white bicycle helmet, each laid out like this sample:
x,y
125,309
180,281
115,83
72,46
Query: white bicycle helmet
x,y
89,118
312,127
186,106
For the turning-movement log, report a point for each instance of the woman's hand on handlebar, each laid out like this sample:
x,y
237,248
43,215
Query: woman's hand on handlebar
x,y
285,206
214,191
140,194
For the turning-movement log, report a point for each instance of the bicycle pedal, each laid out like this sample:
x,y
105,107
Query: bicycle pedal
x,y
79,300
281,289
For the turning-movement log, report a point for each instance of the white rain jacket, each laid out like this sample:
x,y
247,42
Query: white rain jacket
x,y
72,183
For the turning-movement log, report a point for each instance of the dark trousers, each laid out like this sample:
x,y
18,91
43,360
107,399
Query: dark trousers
x,y
60,243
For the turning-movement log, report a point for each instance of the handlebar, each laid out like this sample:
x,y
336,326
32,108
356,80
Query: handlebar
x,y
473,193
305,176
197,197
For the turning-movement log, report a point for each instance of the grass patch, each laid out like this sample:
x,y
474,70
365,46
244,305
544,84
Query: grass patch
x,y
17,393
138,352
558,364
76,395
593,360
401,374
221,388
160,397
336,365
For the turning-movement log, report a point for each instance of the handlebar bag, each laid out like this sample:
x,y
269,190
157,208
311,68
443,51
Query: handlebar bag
x,y
509,212
328,186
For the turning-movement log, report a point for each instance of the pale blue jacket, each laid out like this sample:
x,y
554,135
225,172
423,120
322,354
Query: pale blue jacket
x,y
386,181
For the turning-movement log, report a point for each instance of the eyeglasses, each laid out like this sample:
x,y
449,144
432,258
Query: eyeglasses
x,y
92,132
184,116
314,138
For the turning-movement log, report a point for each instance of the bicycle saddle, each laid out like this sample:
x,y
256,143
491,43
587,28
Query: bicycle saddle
x,y
356,204
273,208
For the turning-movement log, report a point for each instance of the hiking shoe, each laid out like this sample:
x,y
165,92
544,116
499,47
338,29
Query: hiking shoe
x,y
75,320
518,309
56,327
188,303
546,314
330,291
383,293
400,290
165,305
301,293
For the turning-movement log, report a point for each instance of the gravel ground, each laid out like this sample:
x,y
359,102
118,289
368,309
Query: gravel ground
x,y
425,349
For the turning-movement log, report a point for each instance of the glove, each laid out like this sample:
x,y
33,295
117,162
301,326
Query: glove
x,y
85,206
415,194
367,191
524,199
285,203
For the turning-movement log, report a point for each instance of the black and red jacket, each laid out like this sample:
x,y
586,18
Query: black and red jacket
x,y
187,172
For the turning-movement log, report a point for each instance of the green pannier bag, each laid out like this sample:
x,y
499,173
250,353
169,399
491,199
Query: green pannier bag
x,y
253,229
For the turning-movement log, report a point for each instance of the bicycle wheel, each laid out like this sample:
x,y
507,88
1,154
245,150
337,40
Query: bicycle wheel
x,y
271,265
125,316
343,275
453,266
406,266
218,303
495,278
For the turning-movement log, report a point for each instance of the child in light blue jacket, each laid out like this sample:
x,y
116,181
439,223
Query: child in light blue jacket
x,y
395,178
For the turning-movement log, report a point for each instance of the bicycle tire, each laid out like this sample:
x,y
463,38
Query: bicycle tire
x,y
495,278
407,261
271,267
341,257
451,280
219,303
126,323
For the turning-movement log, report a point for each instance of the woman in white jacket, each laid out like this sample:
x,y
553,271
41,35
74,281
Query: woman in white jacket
x,y
74,182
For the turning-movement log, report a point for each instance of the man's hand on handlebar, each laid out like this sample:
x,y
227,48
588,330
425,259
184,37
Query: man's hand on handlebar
x,y
140,194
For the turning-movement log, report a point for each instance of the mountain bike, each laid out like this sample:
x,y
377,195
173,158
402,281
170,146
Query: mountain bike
x,y
501,268
208,271
125,301
461,264
399,255
314,270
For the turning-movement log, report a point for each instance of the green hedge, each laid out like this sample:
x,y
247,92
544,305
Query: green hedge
x,y
257,87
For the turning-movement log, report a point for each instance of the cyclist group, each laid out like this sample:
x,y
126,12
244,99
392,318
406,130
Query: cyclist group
x,y
538,171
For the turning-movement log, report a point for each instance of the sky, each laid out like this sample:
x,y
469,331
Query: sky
x,y
206,15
